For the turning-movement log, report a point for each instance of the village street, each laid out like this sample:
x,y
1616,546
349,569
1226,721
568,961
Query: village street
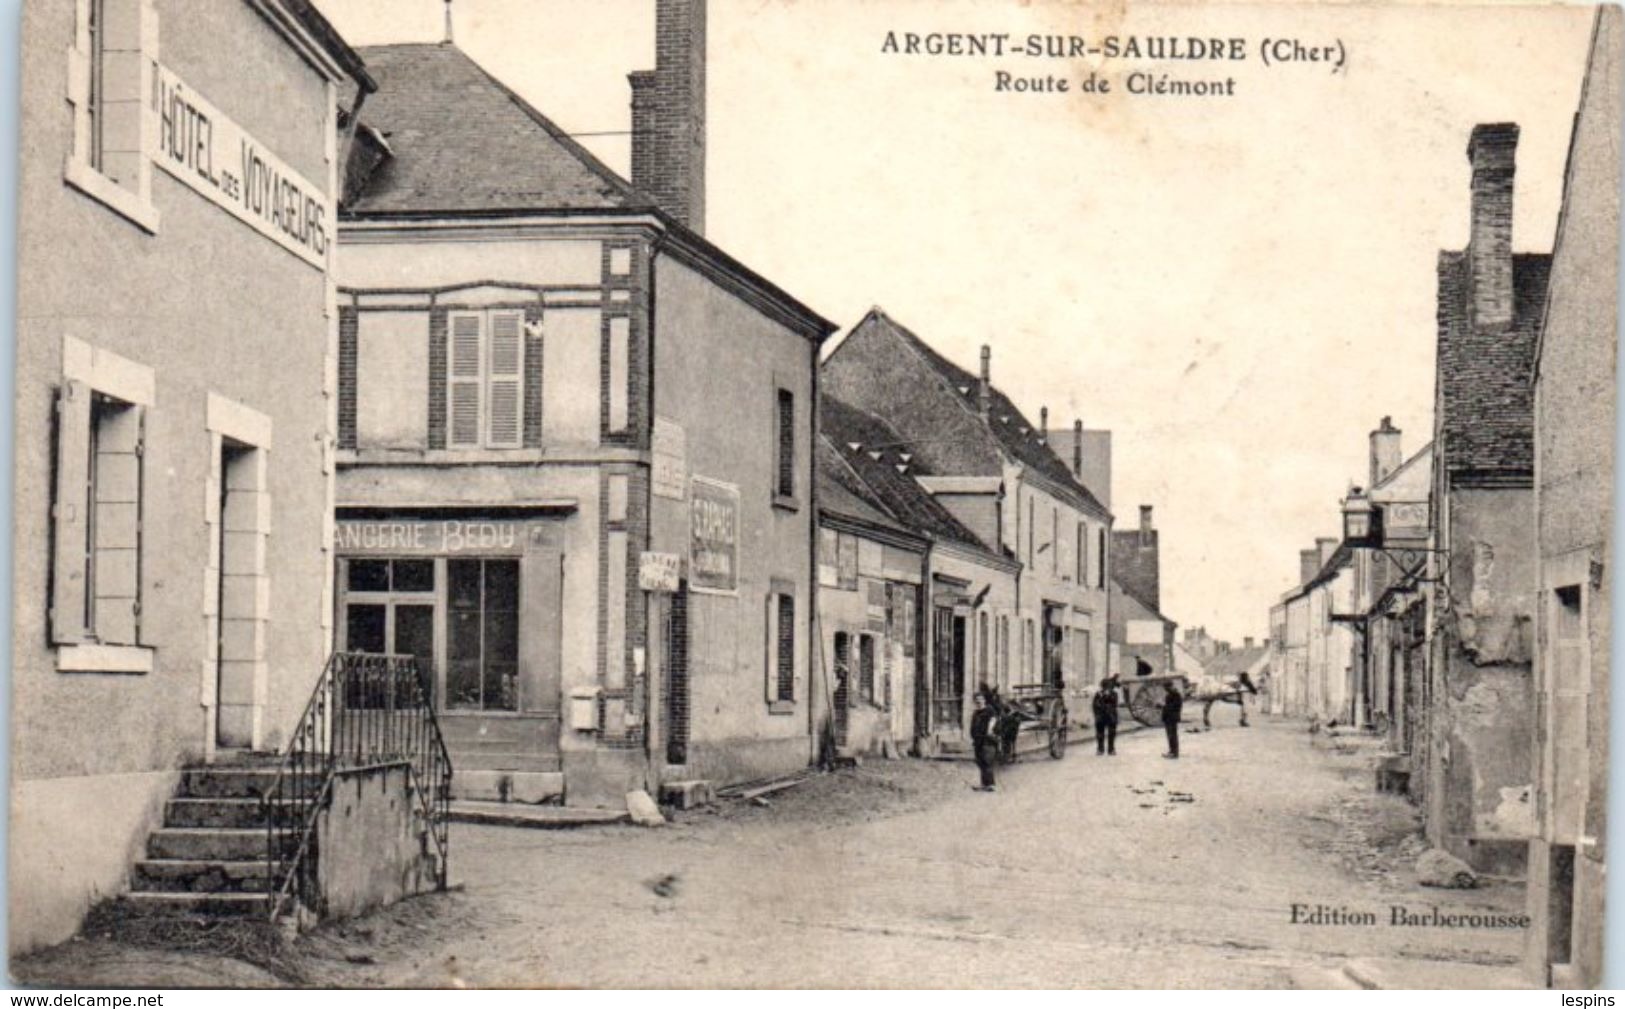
x,y
1081,872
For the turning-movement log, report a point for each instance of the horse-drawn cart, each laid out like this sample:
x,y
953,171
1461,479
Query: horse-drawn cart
x,y
1034,707
1145,695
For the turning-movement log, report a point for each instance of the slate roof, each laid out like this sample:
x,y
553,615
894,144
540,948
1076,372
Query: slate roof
x,y
462,141
1486,403
878,483
1016,435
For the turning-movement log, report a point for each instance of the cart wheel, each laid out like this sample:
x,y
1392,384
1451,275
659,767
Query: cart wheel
x,y
1057,731
1057,742
1145,705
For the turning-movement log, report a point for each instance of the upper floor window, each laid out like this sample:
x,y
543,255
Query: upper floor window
x,y
106,86
784,474
485,379
1082,557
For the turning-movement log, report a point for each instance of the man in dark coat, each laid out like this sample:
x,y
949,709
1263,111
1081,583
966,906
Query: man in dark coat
x,y
984,741
1172,706
1104,705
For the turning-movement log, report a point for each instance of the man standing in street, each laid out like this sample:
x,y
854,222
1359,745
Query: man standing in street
x,y
1172,706
1105,713
983,740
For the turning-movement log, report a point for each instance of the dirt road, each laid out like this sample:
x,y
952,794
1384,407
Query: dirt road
x,y
1134,871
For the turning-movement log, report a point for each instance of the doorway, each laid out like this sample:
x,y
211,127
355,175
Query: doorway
x,y
239,620
948,681
390,609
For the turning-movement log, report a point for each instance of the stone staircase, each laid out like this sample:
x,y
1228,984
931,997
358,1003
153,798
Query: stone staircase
x,y
210,854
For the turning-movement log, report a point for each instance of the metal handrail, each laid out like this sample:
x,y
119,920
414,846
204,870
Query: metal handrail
x,y
365,710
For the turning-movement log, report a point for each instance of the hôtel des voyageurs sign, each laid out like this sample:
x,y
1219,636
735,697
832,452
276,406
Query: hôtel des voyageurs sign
x,y
202,148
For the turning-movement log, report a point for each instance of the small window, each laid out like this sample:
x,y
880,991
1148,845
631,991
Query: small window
x,y
1083,554
781,648
1100,558
784,482
866,667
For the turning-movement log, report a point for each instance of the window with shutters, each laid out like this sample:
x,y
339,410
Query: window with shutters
x,y
784,449
781,648
1100,557
96,512
106,78
866,667
485,379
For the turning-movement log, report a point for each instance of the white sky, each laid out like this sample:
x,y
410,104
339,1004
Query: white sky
x,y
1238,288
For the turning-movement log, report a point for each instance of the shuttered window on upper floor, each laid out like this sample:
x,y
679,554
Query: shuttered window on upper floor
x,y
485,379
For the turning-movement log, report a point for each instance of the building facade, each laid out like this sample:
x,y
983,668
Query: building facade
x,y
1475,792
889,555
996,474
592,518
172,567
1574,382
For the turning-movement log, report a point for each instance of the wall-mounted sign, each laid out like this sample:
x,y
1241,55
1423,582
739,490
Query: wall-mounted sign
x,y
669,447
1405,519
198,145
713,540
1143,632
659,572
410,537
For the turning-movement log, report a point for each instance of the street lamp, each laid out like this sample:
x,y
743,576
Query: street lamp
x,y
1362,521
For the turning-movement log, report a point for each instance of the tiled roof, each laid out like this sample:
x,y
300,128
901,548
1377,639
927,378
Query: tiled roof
x,y
1018,437
1486,405
855,438
462,141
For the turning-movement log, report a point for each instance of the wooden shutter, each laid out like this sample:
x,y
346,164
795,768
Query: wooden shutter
x,y
787,647
506,379
70,547
786,476
463,374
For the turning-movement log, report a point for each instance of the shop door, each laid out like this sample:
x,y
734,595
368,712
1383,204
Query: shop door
x,y
949,680
389,609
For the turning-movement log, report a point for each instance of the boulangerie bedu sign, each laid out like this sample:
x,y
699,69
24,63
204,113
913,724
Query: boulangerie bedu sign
x,y
202,148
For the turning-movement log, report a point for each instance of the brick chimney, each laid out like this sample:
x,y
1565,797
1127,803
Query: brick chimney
x,y
668,114
1043,425
1077,449
1385,451
1247,643
1327,546
1308,565
1492,151
1146,528
984,388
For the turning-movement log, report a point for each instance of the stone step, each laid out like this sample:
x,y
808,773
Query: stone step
x,y
175,875
465,760
209,843
227,812
217,904
230,782
519,733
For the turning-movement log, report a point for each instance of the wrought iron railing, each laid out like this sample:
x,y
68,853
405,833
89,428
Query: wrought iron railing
x,y
366,711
